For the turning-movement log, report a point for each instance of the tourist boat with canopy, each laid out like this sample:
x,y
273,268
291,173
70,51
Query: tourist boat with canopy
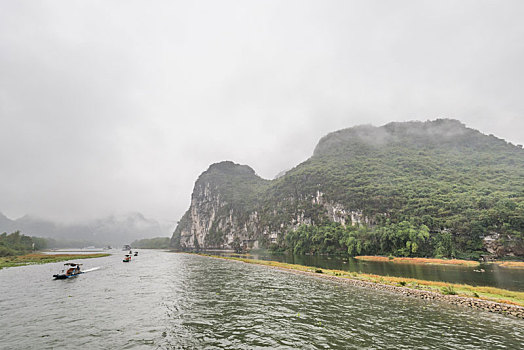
x,y
70,270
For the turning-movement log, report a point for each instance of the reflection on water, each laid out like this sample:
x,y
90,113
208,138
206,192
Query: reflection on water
x,y
494,276
175,301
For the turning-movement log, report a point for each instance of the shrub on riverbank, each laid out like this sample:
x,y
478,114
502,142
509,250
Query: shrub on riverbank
x,y
449,290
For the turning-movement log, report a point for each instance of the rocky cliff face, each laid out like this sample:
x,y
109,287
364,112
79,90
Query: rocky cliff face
x,y
217,217
503,245
212,222
216,221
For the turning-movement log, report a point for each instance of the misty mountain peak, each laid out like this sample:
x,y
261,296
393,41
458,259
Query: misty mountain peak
x,y
435,134
227,171
229,167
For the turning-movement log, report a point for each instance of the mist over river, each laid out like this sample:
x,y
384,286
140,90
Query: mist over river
x,y
163,300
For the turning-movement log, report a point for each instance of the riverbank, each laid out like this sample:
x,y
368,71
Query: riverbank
x,y
418,261
435,261
511,264
39,258
486,298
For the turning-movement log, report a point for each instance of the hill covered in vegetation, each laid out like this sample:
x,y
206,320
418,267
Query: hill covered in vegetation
x,y
17,244
434,188
151,243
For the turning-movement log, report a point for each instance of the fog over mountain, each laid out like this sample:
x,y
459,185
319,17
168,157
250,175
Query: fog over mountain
x,y
115,107
113,229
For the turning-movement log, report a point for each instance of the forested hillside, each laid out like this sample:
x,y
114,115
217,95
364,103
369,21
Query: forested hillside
x,y
151,243
16,244
433,188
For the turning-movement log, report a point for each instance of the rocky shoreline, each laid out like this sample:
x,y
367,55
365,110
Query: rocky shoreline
x,y
489,306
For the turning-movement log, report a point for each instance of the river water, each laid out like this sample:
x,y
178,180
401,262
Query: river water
x,y
164,300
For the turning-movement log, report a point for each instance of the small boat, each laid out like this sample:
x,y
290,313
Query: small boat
x,y
72,271
136,253
127,258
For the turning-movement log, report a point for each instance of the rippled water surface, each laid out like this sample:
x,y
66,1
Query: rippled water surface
x,y
175,301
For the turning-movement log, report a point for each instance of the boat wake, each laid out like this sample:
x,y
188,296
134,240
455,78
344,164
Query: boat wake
x,y
93,269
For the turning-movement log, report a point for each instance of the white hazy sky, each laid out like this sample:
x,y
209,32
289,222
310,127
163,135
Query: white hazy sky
x,y
115,106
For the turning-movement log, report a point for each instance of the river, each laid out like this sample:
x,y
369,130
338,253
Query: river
x,y
164,300
492,275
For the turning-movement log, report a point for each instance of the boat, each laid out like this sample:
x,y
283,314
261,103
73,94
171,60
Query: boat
x,y
126,247
72,271
136,253
127,258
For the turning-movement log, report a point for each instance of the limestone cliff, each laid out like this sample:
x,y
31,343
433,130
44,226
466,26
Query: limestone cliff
x,y
219,215
230,209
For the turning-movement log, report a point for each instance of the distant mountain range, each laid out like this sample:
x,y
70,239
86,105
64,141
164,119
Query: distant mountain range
x,y
110,230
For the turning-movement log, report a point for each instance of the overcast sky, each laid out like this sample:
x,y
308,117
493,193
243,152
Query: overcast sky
x,y
116,106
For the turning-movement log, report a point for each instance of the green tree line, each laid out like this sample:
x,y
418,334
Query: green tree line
x,y
17,244
402,239
152,243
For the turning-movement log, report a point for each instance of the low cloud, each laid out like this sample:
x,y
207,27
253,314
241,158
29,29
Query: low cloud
x,y
112,107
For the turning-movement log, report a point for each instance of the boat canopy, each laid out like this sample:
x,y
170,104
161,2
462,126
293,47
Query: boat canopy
x,y
72,264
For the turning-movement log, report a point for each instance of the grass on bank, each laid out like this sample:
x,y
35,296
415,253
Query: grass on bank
x,y
39,258
480,292
418,261
511,264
